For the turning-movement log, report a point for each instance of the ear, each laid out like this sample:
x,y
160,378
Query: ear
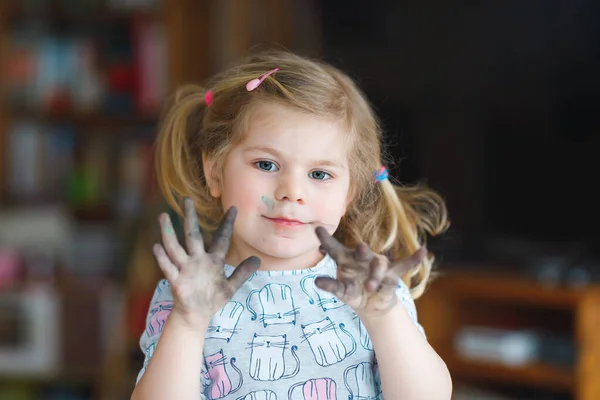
x,y
213,183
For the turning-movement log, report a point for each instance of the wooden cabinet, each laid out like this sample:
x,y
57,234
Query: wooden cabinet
x,y
458,299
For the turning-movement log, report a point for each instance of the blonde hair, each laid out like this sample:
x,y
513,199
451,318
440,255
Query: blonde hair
x,y
392,219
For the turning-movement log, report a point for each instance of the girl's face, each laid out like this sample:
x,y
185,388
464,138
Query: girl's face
x,y
289,175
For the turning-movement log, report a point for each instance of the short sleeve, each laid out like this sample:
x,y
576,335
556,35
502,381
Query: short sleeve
x,y
158,312
407,301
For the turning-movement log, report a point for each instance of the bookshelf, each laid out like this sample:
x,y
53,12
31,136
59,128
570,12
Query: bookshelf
x,y
82,85
80,79
104,115
4,15
462,298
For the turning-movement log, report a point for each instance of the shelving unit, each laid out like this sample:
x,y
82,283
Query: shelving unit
x,y
86,119
105,149
536,375
460,298
200,36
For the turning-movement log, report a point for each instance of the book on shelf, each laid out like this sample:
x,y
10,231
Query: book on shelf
x,y
119,69
54,164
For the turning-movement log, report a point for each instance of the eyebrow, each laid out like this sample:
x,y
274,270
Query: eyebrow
x,y
275,153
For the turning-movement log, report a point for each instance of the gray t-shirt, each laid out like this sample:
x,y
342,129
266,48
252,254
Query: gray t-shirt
x,y
280,337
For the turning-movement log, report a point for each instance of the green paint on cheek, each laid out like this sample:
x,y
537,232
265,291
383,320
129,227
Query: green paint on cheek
x,y
267,202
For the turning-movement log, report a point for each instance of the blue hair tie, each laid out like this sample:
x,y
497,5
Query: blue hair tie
x,y
381,174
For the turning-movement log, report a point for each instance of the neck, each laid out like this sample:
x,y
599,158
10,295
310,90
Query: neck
x,y
237,254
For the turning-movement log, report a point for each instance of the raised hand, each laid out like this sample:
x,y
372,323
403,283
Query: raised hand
x,y
365,280
200,287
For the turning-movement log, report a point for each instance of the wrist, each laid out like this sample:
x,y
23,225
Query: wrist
x,y
372,318
189,321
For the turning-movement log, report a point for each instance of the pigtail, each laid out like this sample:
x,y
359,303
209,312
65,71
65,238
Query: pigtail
x,y
413,212
178,162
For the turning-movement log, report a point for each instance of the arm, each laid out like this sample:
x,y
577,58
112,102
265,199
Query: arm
x,y
408,366
174,369
197,288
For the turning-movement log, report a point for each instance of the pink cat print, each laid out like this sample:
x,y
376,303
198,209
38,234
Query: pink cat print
x,y
158,317
316,389
220,383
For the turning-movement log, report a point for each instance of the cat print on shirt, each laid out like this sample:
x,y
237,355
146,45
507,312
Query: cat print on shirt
x,y
251,277
285,273
268,358
325,343
365,340
316,389
204,379
158,315
276,305
325,300
148,354
220,383
223,324
377,376
259,395
163,285
360,381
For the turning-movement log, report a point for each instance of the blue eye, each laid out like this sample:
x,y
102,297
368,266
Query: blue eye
x,y
266,166
320,175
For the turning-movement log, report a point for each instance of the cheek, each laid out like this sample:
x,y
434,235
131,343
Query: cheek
x,y
329,210
331,206
244,191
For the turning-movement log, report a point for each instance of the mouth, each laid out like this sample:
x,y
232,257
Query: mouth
x,y
282,221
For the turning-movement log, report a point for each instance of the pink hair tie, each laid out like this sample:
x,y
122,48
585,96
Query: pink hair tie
x,y
208,98
381,174
254,83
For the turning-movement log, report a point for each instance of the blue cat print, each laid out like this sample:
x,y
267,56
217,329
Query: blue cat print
x,y
325,300
360,381
276,305
325,343
223,324
268,358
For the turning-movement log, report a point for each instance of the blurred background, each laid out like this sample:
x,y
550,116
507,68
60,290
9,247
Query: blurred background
x,y
494,104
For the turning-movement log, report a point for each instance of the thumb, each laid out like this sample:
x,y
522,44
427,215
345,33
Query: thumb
x,y
243,272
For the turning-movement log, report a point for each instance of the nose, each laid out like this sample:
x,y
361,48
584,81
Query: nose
x,y
291,187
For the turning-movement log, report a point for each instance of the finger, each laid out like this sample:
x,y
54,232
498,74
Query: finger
x,y
377,270
363,252
403,266
322,250
166,266
242,272
331,285
220,243
176,253
334,248
193,236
